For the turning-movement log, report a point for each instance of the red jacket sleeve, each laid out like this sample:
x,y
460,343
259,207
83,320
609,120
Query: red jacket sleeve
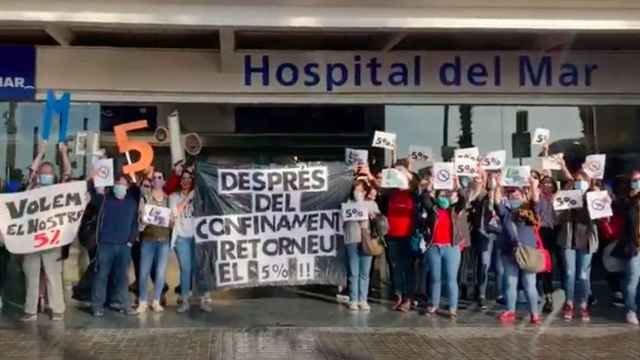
x,y
172,185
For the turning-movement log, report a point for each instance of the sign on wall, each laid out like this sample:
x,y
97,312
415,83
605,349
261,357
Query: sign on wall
x,y
271,226
17,73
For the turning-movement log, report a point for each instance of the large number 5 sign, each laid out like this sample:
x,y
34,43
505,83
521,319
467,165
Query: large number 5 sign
x,y
125,145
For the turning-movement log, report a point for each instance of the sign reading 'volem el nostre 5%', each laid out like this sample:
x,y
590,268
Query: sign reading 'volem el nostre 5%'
x,y
437,71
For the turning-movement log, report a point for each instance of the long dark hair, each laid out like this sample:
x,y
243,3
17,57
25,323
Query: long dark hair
x,y
360,182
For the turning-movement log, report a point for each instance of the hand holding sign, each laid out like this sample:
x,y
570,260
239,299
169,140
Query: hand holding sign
x,y
103,173
599,204
443,176
594,166
52,107
540,136
384,140
568,199
354,211
125,145
553,162
156,215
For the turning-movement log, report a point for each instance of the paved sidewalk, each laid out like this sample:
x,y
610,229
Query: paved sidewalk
x,y
473,343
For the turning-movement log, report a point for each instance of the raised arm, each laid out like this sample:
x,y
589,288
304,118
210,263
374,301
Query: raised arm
x,y
66,163
33,170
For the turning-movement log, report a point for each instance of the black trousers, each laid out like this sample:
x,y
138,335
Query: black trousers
x,y
549,240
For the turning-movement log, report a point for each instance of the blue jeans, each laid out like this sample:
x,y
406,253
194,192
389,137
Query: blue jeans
x,y
631,280
359,269
156,253
488,253
444,260
403,275
186,252
112,259
577,262
512,273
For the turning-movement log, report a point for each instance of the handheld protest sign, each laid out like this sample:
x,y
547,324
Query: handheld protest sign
x,y
354,211
81,143
466,153
516,176
599,204
52,107
594,166
44,218
103,169
466,161
420,156
384,140
494,160
540,136
395,179
552,162
356,157
443,176
156,215
568,199
125,145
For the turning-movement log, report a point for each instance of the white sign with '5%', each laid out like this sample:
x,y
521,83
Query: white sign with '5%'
x,y
354,211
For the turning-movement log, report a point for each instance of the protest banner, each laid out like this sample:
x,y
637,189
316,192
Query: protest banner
x,y
420,156
494,160
594,166
103,173
599,204
568,199
156,215
443,174
384,140
43,218
540,136
356,157
516,176
269,226
394,179
354,211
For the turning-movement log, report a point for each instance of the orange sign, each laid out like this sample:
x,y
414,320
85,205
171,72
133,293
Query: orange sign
x,y
125,145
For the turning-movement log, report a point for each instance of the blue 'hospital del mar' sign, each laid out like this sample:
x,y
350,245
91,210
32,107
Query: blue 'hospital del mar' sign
x,y
17,73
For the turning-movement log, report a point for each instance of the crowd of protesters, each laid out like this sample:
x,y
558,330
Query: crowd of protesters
x,y
429,239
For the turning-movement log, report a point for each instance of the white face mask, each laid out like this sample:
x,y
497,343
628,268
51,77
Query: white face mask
x,y
358,196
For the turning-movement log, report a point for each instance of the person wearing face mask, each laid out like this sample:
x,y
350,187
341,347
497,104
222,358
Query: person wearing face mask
x,y
117,231
485,231
42,174
445,240
154,248
359,263
183,241
519,222
578,240
549,234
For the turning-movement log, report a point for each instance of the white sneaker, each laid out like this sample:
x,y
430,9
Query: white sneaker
x,y
184,307
156,307
205,305
142,307
364,306
353,306
632,318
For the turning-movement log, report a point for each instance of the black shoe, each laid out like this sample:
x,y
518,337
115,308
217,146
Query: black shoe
x,y
482,303
501,301
592,301
548,305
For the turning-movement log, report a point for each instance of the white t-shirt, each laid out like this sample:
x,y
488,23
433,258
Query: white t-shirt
x,y
184,221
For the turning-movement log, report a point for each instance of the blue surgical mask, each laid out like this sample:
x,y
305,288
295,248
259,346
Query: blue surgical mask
x,y
581,185
443,202
635,185
119,191
45,179
515,204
